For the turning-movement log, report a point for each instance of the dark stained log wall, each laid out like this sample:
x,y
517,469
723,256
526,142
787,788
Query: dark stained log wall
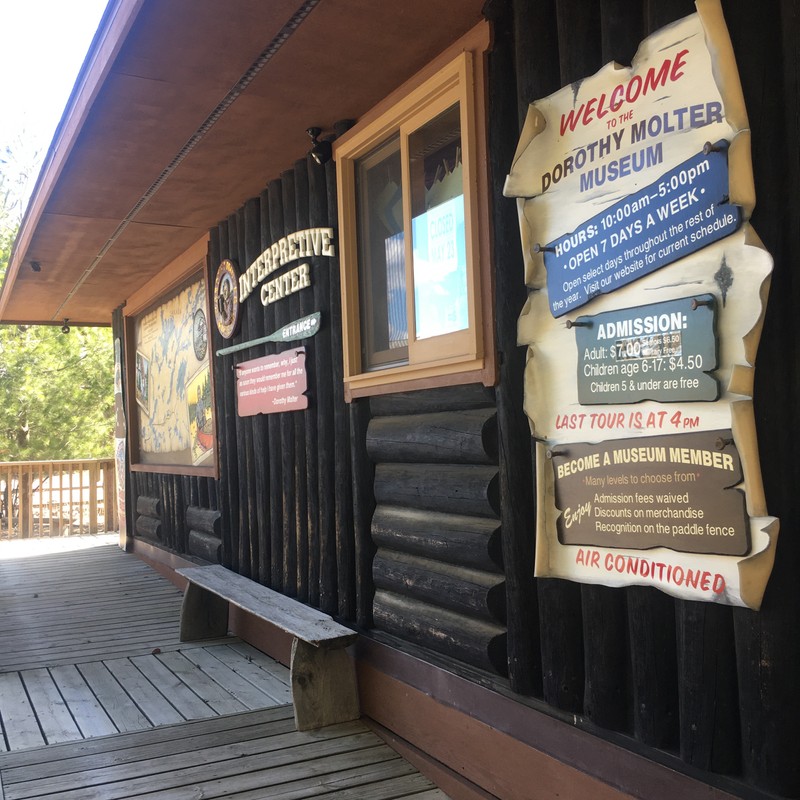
x,y
437,570
607,655
766,44
540,68
286,529
281,509
506,84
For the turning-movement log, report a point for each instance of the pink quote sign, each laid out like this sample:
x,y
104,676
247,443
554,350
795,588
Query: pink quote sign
x,y
272,383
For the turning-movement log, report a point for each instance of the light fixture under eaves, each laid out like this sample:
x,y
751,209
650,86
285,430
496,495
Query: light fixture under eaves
x,y
321,151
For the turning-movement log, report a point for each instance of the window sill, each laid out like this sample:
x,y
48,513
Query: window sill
x,y
455,372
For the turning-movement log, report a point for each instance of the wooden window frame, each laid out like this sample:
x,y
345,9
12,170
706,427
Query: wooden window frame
x,y
182,272
458,75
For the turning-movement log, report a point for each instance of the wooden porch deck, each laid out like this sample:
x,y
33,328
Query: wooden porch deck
x,y
99,699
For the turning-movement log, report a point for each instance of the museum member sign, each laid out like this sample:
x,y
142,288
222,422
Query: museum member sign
x,y
645,303
676,492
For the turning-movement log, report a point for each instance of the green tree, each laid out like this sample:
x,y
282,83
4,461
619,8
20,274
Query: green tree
x,y
56,393
56,389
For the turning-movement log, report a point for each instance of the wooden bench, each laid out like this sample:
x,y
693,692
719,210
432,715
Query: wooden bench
x,y
323,676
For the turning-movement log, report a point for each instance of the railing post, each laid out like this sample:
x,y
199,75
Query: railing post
x,y
10,492
40,490
61,500
110,496
92,497
29,507
71,473
24,491
51,528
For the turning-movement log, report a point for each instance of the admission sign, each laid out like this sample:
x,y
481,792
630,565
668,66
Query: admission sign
x,y
646,298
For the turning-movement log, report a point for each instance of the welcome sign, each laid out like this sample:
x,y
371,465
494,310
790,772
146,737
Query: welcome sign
x,y
644,311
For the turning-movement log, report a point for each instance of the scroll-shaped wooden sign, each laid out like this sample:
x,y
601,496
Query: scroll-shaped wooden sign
x,y
272,384
682,211
634,189
662,351
663,491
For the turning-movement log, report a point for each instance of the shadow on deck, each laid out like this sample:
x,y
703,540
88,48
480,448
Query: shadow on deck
x,y
99,698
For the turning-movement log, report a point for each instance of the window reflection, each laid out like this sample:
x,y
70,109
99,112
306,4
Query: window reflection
x,y
437,200
382,269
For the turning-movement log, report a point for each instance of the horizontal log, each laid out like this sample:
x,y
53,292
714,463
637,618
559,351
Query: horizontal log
x,y
446,488
426,401
203,519
148,506
467,591
449,437
148,527
204,545
481,644
450,538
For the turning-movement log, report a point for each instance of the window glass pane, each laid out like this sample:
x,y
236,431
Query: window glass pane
x,y
437,203
382,271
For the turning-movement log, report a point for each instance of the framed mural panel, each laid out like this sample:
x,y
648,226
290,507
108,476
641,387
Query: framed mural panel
x,y
171,397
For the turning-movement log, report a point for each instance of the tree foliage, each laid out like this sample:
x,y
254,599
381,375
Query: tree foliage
x,y
56,393
56,389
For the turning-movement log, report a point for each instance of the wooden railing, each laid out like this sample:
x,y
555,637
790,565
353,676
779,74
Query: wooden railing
x,y
56,498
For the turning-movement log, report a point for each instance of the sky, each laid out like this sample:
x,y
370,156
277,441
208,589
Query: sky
x,y
44,44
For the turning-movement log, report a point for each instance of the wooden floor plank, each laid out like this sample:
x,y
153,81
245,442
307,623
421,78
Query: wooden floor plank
x,y
55,721
262,659
183,698
243,690
124,713
87,711
19,719
272,678
155,764
145,694
410,786
386,766
198,778
96,635
92,619
111,763
59,757
269,782
78,655
282,774
51,619
212,693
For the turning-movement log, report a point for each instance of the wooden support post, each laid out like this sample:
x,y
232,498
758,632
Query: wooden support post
x,y
204,615
324,689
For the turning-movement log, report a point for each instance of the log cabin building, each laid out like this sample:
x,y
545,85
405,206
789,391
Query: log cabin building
x,y
316,403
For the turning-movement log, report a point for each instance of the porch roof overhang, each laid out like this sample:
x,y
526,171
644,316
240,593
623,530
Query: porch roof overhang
x,y
183,110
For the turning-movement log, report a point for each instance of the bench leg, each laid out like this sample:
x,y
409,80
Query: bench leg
x,y
204,615
324,689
